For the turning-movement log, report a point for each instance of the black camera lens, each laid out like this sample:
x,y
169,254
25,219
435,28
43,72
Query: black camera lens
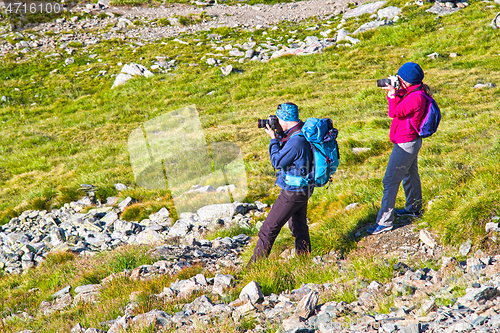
x,y
261,123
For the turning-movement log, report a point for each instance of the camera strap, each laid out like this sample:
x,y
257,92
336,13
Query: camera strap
x,y
292,131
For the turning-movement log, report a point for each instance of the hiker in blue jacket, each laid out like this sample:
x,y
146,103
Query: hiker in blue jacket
x,y
292,156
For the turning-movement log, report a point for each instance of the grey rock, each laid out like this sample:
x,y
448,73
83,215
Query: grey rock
x,y
180,229
236,53
465,248
148,237
487,85
88,288
125,203
121,79
307,305
427,238
94,330
370,26
389,12
163,213
495,321
309,40
477,294
110,218
368,8
342,34
252,292
249,54
491,226
474,266
61,292
201,306
222,283
87,298
211,61
155,317
412,328
428,306
440,10
213,213
495,23
226,70
434,55
124,227
120,187
77,329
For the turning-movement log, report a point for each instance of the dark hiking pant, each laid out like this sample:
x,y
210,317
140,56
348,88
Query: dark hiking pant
x,y
291,207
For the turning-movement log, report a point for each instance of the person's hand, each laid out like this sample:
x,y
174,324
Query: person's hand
x,y
391,91
270,131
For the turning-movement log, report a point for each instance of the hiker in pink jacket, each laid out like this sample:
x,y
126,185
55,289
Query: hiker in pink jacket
x,y
406,108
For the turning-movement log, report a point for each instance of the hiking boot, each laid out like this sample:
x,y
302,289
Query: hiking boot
x,y
377,229
404,212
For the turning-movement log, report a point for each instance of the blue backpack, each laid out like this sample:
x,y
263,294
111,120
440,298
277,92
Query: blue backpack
x,y
431,119
322,137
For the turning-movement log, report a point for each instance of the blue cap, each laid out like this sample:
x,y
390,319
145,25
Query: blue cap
x,y
411,73
288,112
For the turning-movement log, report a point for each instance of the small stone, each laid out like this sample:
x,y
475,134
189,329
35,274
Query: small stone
x,y
427,239
252,292
61,292
222,283
120,187
125,203
474,266
226,70
488,85
491,226
88,288
307,305
428,306
453,55
465,248
434,55
360,150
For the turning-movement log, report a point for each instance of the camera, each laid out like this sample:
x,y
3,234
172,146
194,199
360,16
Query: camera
x,y
392,80
272,121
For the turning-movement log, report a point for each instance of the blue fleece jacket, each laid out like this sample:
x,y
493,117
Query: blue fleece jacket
x,y
294,157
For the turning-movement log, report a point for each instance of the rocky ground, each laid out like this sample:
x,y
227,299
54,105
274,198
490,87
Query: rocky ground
x,y
460,296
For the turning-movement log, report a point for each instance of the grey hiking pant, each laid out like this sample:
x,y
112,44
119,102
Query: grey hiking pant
x,y
402,166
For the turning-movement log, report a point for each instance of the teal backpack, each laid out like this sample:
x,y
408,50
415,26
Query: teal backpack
x,y
322,137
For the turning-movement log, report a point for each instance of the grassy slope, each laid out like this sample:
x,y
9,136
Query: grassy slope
x,y
77,133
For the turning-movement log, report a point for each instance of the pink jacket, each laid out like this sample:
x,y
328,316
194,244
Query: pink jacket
x,y
411,108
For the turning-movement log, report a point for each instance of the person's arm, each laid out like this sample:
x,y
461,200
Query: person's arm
x,y
281,157
410,104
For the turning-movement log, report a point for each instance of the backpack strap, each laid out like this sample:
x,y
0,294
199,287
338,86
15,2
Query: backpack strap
x,y
293,131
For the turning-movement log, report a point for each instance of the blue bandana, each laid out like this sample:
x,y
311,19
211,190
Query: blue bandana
x,y
288,112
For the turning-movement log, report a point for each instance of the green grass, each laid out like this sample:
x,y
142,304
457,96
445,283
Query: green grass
x,y
78,128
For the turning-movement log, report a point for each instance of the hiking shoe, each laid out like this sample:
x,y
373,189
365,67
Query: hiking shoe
x,y
404,212
377,229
